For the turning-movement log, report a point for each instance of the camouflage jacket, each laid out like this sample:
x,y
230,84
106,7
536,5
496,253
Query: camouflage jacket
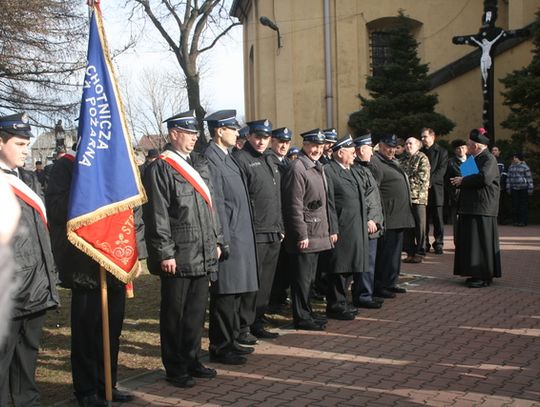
x,y
417,169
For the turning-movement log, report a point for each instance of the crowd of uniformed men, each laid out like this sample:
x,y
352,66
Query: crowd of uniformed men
x,y
243,223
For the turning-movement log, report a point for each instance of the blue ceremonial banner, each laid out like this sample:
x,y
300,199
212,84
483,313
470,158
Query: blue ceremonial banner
x,y
106,183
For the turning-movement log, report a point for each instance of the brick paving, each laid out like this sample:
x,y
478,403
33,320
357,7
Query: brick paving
x,y
441,344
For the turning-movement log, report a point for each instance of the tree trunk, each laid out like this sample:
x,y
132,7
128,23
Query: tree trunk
x,y
194,98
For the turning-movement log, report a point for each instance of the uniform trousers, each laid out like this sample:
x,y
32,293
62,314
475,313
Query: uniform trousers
x,y
18,360
415,238
224,322
267,255
434,214
86,337
336,293
362,289
282,279
388,263
181,320
303,267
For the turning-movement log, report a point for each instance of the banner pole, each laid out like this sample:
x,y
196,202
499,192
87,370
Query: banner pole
x,y
105,334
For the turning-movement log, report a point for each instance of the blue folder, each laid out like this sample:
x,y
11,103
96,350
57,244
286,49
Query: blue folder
x,y
469,167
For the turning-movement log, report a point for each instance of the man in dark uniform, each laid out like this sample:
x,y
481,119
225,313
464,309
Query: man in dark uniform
x,y
35,272
182,239
477,244
308,215
330,137
153,155
237,274
396,199
351,253
363,284
438,159
241,139
279,146
263,181
80,273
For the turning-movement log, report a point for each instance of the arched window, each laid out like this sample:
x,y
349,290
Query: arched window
x,y
379,39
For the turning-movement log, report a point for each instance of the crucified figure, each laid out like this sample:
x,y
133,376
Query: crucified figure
x,y
485,59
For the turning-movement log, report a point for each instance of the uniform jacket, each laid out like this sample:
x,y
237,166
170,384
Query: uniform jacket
x,y
394,189
35,271
374,208
283,165
264,186
453,170
479,193
76,269
438,159
351,252
307,211
237,274
417,169
179,224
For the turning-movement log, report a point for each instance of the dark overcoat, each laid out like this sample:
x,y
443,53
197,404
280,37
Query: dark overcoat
x,y
179,224
438,159
394,189
237,274
351,251
477,240
374,208
35,270
307,211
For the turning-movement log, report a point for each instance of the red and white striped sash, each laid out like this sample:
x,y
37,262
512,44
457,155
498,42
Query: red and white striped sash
x,y
189,173
26,193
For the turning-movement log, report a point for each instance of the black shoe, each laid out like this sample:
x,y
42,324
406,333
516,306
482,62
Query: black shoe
x,y
352,309
262,333
318,317
340,315
247,339
382,293
379,300
229,358
368,304
91,400
397,290
242,350
183,381
439,250
119,396
310,326
478,283
203,372
470,280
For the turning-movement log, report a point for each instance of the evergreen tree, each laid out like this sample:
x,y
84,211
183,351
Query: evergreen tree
x,y
400,102
522,96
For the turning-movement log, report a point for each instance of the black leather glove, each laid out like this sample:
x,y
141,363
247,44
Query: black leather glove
x,y
225,252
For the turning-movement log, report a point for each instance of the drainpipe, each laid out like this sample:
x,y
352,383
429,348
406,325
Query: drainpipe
x,y
328,66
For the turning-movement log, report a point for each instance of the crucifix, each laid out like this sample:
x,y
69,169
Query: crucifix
x,y
486,40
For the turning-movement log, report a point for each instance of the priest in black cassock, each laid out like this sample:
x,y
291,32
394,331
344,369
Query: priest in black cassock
x,y
477,242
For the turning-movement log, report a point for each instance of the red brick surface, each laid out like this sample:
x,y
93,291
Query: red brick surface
x,y
441,344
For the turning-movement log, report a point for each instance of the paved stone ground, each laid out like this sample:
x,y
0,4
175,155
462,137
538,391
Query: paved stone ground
x,y
441,344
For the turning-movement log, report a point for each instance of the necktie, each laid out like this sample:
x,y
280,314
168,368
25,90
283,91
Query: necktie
x,y
188,160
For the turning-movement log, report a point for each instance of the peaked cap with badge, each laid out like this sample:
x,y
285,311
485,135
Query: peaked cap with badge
x,y
16,125
283,134
260,127
344,142
222,118
185,121
315,136
330,135
364,140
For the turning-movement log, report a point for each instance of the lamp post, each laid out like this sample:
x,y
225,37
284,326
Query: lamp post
x,y
269,23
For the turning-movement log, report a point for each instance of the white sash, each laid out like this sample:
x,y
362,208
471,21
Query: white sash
x,y
26,193
189,173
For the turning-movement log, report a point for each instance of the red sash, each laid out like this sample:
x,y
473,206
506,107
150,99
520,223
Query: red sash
x,y
26,193
189,173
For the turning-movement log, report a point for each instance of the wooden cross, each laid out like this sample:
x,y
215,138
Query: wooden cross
x,y
486,40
